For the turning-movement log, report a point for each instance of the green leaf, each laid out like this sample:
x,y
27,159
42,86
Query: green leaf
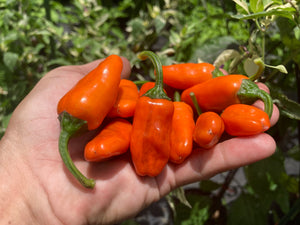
x,y
286,12
291,214
256,6
197,215
10,60
225,56
295,152
265,180
291,183
243,4
281,68
246,210
160,23
287,107
180,195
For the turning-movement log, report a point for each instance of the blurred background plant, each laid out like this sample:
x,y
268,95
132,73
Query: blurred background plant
x,y
37,36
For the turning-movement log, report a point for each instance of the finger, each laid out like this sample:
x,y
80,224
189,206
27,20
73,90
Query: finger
x,y
230,154
275,115
263,87
259,104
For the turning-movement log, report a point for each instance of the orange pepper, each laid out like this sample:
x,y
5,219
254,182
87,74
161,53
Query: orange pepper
x,y
146,87
182,131
218,93
95,94
113,139
152,124
186,75
127,97
245,120
209,129
86,105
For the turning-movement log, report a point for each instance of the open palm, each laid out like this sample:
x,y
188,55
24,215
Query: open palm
x,y
119,193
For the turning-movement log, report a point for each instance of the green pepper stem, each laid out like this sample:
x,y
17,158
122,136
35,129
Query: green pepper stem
x,y
177,97
70,126
157,91
250,92
260,70
195,102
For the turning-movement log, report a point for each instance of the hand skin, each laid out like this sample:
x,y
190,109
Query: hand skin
x,y
36,188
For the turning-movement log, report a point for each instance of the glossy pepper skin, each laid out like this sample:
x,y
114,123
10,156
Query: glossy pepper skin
x,y
245,120
112,140
94,95
218,93
124,106
182,131
86,105
208,130
152,124
186,75
209,127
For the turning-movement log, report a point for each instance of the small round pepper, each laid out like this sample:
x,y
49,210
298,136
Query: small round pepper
x,y
209,127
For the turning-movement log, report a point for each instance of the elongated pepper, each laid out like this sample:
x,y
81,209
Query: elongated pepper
x,y
126,101
112,140
152,124
86,105
186,75
182,131
245,120
220,92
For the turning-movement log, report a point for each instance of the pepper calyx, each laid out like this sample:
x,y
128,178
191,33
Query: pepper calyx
x,y
249,92
157,92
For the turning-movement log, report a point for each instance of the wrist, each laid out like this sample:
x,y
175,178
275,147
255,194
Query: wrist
x,y
22,199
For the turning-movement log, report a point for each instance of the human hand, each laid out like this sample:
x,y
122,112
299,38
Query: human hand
x,y
43,191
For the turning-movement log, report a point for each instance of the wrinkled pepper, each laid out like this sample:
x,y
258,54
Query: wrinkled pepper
x,y
186,75
245,120
125,104
152,124
112,140
218,93
86,105
208,129
182,131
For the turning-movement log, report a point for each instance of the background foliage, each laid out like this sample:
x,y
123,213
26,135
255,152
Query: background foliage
x,y
37,36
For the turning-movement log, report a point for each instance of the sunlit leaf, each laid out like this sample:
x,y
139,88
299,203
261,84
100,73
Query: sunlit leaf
x,y
225,56
243,4
256,5
286,12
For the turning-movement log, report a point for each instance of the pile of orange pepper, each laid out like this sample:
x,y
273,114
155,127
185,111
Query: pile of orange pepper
x,y
157,126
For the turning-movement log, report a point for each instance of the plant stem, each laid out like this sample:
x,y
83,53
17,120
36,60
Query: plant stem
x,y
297,74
